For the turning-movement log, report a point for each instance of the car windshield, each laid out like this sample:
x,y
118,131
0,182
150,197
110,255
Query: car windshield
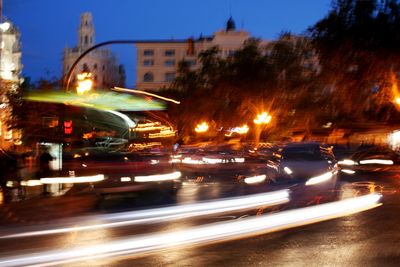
x,y
302,153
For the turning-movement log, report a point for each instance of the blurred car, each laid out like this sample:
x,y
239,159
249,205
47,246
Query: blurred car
x,y
308,163
370,159
110,172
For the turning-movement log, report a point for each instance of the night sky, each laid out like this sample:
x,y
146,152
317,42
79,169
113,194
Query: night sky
x,y
47,26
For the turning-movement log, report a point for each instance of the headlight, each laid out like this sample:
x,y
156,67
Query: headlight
x,y
255,179
319,179
287,170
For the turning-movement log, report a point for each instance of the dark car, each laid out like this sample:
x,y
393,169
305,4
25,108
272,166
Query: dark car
x,y
370,159
309,163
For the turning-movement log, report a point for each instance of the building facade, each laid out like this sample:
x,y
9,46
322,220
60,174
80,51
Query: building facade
x,y
101,63
157,61
10,79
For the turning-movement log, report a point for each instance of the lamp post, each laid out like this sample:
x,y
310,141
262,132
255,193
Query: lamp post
x,y
261,121
85,83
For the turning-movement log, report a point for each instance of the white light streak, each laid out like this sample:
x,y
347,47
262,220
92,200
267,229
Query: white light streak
x,y
72,180
255,179
145,93
239,160
288,170
348,162
319,179
31,183
168,213
158,177
217,232
128,121
125,179
377,161
348,171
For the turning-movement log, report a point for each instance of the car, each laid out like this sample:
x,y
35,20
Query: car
x,y
369,160
308,163
109,172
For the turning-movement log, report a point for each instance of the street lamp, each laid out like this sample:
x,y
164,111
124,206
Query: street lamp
x,y
85,83
263,118
201,128
260,121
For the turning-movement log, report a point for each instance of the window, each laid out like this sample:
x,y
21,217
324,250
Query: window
x,y
169,53
148,52
169,63
191,62
148,77
169,76
148,63
95,66
86,39
104,67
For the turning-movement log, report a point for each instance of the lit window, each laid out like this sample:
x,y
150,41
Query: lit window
x,y
169,76
148,52
148,77
169,53
169,63
148,63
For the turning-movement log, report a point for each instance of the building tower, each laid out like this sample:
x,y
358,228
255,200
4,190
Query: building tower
x,y
86,31
101,63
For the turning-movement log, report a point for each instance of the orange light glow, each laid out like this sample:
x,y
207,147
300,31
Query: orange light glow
x,y
85,82
201,128
263,118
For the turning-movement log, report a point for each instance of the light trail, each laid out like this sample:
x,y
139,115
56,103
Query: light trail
x,y
168,213
377,161
200,235
319,179
72,179
158,177
134,91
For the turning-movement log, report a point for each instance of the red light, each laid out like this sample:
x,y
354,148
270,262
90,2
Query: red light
x,y
68,127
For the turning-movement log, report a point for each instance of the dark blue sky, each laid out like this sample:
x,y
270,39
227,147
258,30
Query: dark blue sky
x,y
47,26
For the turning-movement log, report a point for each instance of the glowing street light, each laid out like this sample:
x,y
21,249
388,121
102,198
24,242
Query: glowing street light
x,y
85,83
263,118
397,100
201,128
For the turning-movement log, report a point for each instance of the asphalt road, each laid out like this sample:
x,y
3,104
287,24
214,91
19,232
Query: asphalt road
x,y
370,238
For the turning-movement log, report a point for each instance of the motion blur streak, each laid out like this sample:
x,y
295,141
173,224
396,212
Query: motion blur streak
x,y
347,162
377,161
158,177
168,213
119,89
320,179
72,180
348,171
217,232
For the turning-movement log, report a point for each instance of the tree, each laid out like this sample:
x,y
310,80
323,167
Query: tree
x,y
358,45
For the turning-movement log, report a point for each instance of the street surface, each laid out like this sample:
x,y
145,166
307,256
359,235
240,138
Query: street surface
x,y
369,237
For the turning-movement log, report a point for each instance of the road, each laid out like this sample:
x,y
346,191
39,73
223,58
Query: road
x,y
367,238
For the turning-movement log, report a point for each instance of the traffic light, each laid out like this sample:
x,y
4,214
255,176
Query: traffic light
x,y
68,127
